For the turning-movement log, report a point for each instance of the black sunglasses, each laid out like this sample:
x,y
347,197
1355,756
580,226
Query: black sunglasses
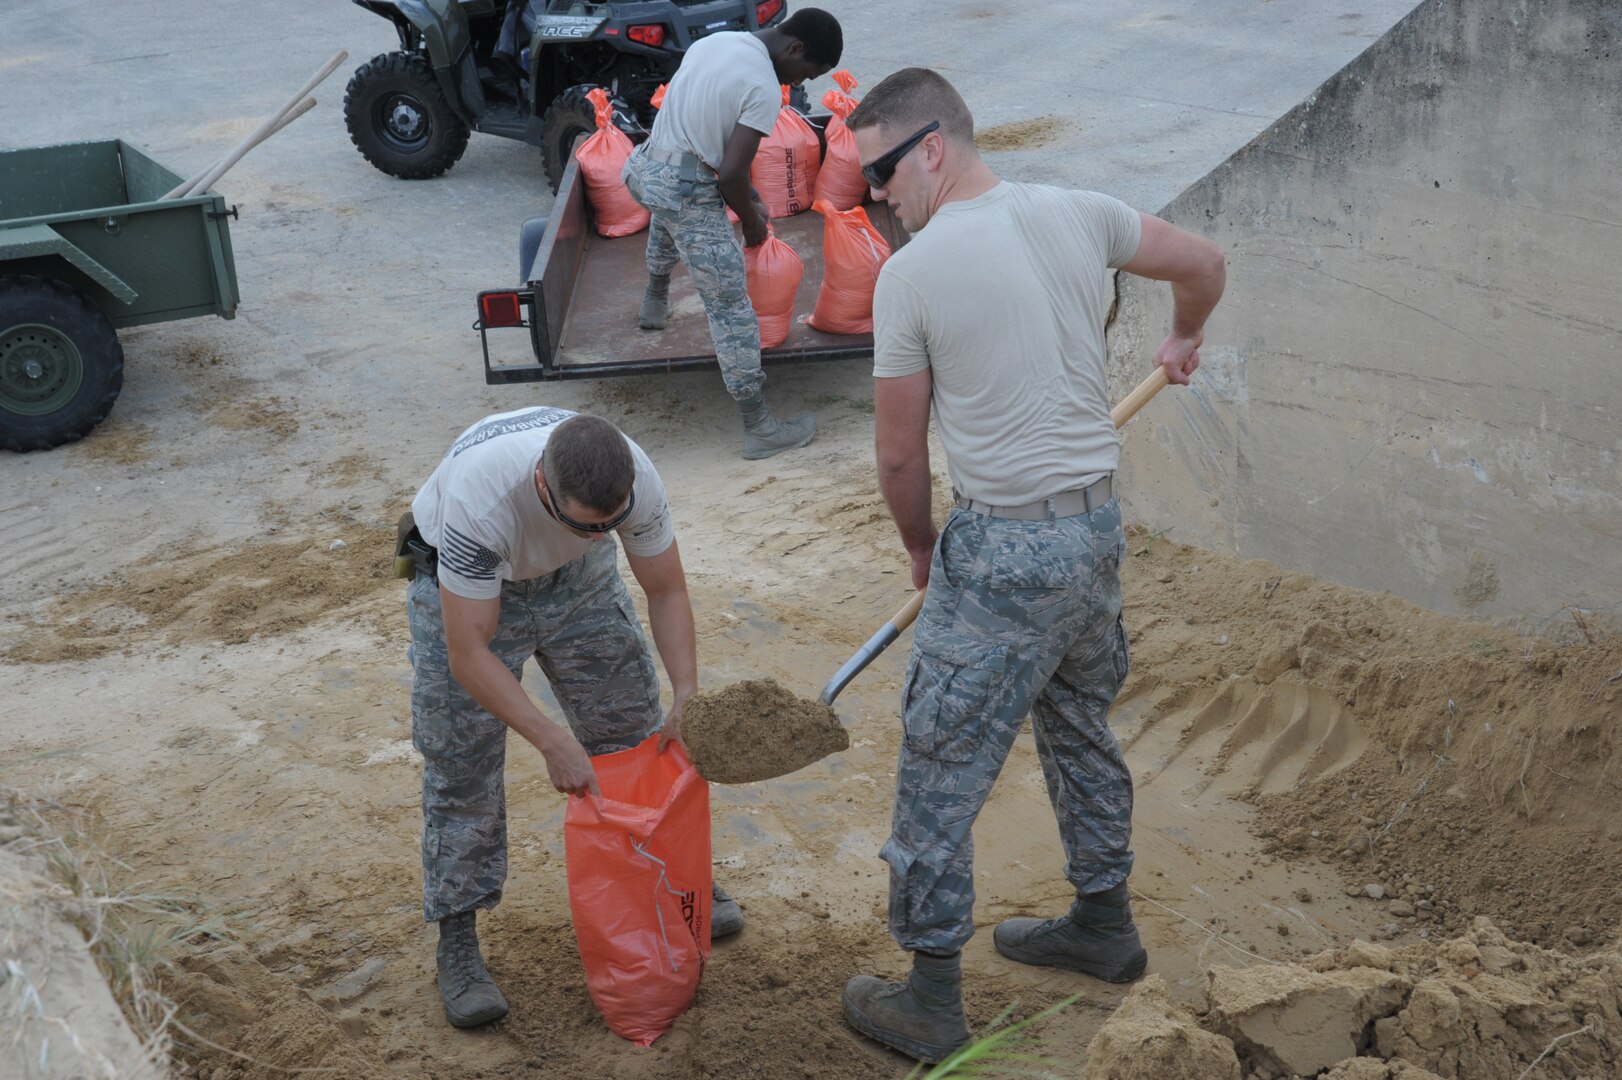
x,y
607,526
877,172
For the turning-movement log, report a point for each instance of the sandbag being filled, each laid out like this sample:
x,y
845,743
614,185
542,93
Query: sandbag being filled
x,y
786,164
639,886
774,272
602,157
852,253
839,181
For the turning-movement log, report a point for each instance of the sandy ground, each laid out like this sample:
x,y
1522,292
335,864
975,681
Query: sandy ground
x,y
190,656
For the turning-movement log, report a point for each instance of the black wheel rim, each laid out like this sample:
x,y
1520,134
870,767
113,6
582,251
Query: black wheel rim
x,y
402,122
40,369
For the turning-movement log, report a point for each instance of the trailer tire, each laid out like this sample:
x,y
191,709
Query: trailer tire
x,y
61,366
399,119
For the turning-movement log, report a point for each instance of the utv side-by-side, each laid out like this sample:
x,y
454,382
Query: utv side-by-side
x,y
521,69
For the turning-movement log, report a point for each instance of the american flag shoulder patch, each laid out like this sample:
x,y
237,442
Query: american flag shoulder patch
x,y
467,557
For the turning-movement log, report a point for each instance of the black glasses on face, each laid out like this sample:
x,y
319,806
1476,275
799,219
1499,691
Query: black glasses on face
x,y
607,526
877,172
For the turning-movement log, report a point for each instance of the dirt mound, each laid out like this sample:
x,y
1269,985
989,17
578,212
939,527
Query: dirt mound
x,y
1151,1037
757,730
259,1024
1456,765
1479,1006
227,597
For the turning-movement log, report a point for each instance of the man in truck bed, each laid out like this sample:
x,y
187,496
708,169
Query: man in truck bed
x,y
723,99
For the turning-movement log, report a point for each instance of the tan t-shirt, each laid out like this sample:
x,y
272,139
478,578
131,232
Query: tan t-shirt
x,y
1004,297
724,80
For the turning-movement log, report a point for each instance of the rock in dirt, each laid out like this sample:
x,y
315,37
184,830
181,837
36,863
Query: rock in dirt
x,y
757,730
1375,1069
1150,1037
1276,657
1288,1019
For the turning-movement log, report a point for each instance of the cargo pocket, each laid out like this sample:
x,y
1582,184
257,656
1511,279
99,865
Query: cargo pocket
x,y
951,691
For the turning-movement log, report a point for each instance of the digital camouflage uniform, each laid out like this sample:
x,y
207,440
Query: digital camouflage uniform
x,y
1021,617
579,625
689,224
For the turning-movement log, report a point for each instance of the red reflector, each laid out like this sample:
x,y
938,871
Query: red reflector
x,y
766,12
501,309
652,35
612,31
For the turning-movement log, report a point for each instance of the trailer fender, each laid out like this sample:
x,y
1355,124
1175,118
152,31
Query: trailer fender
x,y
41,241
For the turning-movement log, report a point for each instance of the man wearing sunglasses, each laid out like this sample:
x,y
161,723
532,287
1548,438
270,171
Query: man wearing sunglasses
x,y
512,564
695,163
994,314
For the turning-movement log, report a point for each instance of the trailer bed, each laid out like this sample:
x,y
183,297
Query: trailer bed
x,y
581,309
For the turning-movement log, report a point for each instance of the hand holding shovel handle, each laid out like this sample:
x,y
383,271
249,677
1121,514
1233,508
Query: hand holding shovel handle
x,y
902,619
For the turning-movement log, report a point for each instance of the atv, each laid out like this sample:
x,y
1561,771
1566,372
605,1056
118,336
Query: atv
x,y
521,69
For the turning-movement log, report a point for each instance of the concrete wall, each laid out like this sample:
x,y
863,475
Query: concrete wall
x,y
1414,383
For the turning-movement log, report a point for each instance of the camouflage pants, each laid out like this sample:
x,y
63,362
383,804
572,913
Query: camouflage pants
x,y
1022,617
579,625
689,224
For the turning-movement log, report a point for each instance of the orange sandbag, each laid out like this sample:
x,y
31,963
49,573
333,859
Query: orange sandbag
x,y
639,886
774,273
839,181
602,156
786,164
852,252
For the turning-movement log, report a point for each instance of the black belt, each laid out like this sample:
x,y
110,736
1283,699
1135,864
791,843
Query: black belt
x,y
1082,500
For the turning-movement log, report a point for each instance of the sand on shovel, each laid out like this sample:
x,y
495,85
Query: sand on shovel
x,y
757,730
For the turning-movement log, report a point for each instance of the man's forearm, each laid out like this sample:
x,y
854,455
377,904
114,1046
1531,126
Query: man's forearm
x,y
735,190
1195,297
671,617
482,674
906,488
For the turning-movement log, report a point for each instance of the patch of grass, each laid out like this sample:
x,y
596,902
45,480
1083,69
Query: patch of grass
x,y
1004,1051
130,932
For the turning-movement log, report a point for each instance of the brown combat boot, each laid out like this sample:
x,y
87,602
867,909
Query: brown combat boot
x,y
465,986
921,1017
1097,938
726,917
765,435
655,303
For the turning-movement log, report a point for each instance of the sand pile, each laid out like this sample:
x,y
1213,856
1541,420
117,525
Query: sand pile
x,y
757,730
262,1025
1479,1006
227,596
1461,768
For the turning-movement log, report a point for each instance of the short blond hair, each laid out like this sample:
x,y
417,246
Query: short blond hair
x,y
910,99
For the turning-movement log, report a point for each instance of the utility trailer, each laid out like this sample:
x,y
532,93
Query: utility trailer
x,y
89,246
581,293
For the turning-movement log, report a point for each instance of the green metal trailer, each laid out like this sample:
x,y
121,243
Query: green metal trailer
x,y
88,246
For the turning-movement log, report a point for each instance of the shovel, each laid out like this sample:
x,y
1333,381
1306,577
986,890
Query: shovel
x,y
902,619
